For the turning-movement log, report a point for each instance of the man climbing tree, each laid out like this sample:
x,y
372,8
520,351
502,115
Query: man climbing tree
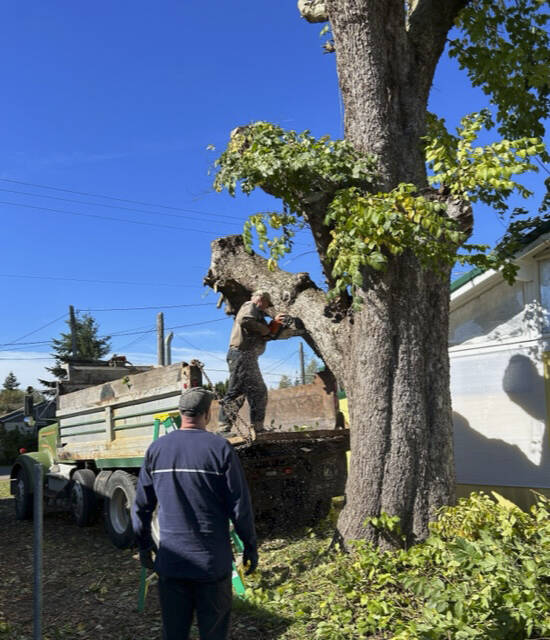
x,y
89,346
390,208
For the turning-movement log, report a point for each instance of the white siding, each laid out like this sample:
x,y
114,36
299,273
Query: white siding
x,y
499,413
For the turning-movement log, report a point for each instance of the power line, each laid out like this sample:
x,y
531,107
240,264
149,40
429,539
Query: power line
x,y
178,326
122,333
227,371
110,206
208,353
39,328
132,343
23,359
24,344
98,195
282,361
111,218
124,282
158,306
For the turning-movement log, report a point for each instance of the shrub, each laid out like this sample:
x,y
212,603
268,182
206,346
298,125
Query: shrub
x,y
484,572
11,441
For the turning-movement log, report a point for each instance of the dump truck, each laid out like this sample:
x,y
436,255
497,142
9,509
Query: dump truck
x,y
91,456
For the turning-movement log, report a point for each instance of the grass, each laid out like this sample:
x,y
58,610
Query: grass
x,y
4,489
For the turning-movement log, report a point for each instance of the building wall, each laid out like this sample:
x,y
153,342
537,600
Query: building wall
x,y
498,336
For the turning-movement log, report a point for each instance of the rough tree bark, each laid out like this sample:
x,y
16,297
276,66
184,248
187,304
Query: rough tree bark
x,y
391,355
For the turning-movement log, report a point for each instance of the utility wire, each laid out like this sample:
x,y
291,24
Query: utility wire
x,y
178,326
23,359
122,333
132,342
280,362
158,306
208,353
98,195
39,329
227,371
110,218
111,206
124,282
24,344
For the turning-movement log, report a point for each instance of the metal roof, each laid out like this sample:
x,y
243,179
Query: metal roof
x,y
476,271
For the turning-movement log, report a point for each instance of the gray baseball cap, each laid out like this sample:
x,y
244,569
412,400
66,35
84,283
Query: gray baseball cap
x,y
262,293
195,401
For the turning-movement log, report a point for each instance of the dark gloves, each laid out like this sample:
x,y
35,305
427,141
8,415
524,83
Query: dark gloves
x,y
250,560
146,558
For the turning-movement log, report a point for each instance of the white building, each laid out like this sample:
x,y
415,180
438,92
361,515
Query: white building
x,y
499,347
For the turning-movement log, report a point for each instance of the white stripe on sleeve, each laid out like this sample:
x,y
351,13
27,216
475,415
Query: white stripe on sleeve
x,y
213,473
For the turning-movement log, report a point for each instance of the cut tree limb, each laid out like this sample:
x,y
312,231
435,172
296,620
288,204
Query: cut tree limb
x,y
236,274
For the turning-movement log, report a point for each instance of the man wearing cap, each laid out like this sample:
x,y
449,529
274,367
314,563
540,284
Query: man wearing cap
x,y
246,343
197,481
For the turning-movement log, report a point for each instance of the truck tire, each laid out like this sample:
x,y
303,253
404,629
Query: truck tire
x,y
121,493
23,496
100,484
83,500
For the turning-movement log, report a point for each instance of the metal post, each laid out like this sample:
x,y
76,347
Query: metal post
x,y
37,550
302,364
72,323
168,348
160,339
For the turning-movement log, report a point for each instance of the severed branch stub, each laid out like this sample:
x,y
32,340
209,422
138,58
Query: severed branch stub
x,y
313,10
237,273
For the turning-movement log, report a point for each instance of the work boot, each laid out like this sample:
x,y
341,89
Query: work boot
x,y
258,427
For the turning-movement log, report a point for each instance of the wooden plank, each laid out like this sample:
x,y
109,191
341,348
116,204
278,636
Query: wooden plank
x,y
297,436
150,385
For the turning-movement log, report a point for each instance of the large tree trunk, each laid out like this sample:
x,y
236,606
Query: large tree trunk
x,y
397,383
391,355
398,378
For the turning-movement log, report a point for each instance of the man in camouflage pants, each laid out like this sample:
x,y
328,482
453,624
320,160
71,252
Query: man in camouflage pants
x,y
247,342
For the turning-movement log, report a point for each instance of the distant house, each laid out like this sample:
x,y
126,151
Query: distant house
x,y
43,414
499,347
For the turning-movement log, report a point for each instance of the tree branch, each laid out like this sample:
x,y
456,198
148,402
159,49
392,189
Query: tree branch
x,y
313,10
428,24
237,274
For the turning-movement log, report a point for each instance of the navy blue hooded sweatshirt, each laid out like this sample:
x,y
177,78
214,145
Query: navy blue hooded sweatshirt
x,y
199,485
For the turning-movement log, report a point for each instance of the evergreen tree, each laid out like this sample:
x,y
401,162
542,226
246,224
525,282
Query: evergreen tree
x,y
220,388
285,382
11,398
311,369
11,383
89,346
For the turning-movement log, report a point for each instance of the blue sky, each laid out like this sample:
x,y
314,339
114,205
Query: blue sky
x,y
105,197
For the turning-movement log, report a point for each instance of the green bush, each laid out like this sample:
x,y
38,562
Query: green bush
x,y
11,441
484,572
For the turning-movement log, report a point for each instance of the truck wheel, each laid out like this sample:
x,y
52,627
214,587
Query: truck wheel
x,y
100,484
121,493
83,500
23,496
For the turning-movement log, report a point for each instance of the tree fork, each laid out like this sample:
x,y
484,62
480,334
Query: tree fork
x,y
236,273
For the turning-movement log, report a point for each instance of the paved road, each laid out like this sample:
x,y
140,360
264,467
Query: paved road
x,y
5,473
